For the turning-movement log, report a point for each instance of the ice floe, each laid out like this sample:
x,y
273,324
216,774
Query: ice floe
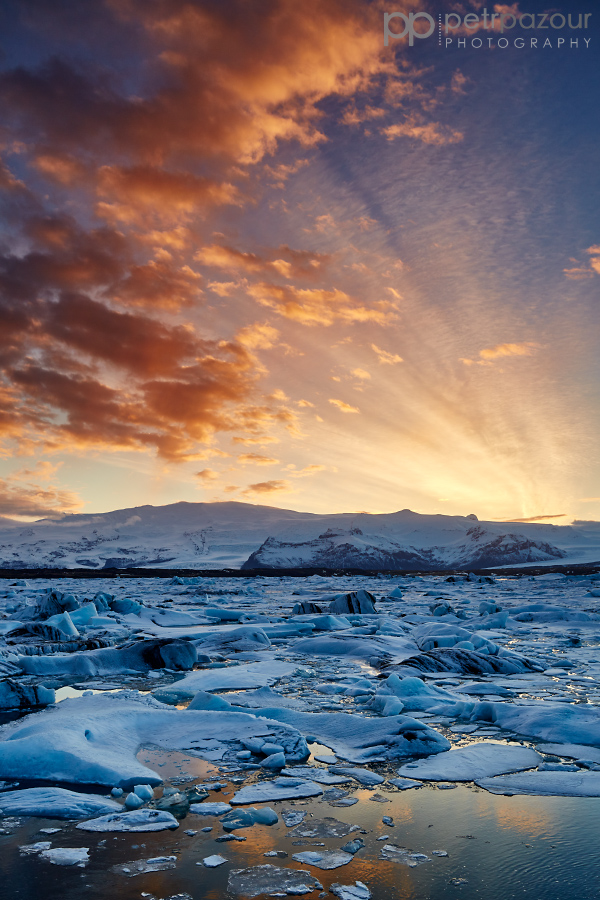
x,y
474,762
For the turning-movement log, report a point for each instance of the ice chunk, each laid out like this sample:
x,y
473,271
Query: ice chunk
x,y
473,762
134,820
95,739
313,773
405,784
278,789
547,784
292,817
571,751
233,678
354,602
356,891
213,862
210,809
67,856
402,855
324,828
323,859
143,866
271,880
360,739
363,776
137,656
54,803
16,695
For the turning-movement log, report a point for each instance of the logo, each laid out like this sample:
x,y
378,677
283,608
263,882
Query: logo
x,y
409,27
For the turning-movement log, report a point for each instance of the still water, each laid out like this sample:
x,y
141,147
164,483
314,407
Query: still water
x,y
500,848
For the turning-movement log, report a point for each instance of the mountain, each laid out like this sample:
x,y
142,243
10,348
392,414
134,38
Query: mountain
x,y
241,535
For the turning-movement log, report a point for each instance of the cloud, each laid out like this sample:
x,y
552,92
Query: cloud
x,y
344,407
389,359
526,348
429,133
319,307
31,500
260,336
284,261
257,459
534,518
207,475
361,374
586,271
267,487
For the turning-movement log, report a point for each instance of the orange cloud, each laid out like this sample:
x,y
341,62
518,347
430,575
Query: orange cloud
x,y
257,459
429,133
389,359
344,407
267,487
317,306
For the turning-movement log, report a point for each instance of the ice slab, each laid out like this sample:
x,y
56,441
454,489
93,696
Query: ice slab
x,y
95,739
356,891
360,739
133,820
143,866
54,803
470,763
324,859
278,789
547,784
572,751
232,678
271,880
313,773
324,828
67,856
210,809
402,855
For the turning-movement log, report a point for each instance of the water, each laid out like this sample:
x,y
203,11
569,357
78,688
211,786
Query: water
x,y
500,848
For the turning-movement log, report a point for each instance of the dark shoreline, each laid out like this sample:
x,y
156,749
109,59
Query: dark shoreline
x,y
12,574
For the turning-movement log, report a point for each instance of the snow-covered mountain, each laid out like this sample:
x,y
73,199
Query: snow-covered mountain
x,y
241,535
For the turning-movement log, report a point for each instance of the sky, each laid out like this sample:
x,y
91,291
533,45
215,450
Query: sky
x,y
248,252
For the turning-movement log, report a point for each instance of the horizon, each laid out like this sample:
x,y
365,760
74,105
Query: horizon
x,y
304,268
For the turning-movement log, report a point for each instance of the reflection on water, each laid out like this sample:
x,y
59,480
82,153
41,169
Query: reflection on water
x,y
500,848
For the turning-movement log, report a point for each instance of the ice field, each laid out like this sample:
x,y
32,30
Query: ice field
x,y
342,736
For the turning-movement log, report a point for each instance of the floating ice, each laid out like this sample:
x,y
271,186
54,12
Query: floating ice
x,y
210,809
233,678
94,739
271,880
278,789
143,866
402,855
357,891
213,862
324,859
67,856
547,784
473,762
54,803
134,820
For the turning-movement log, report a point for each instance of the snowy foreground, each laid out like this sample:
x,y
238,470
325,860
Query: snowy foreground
x,y
285,700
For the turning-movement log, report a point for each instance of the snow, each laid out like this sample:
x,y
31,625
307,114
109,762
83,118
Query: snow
x,y
474,762
218,535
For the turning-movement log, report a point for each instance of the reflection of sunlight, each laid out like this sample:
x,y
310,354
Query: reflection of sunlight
x,y
528,817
